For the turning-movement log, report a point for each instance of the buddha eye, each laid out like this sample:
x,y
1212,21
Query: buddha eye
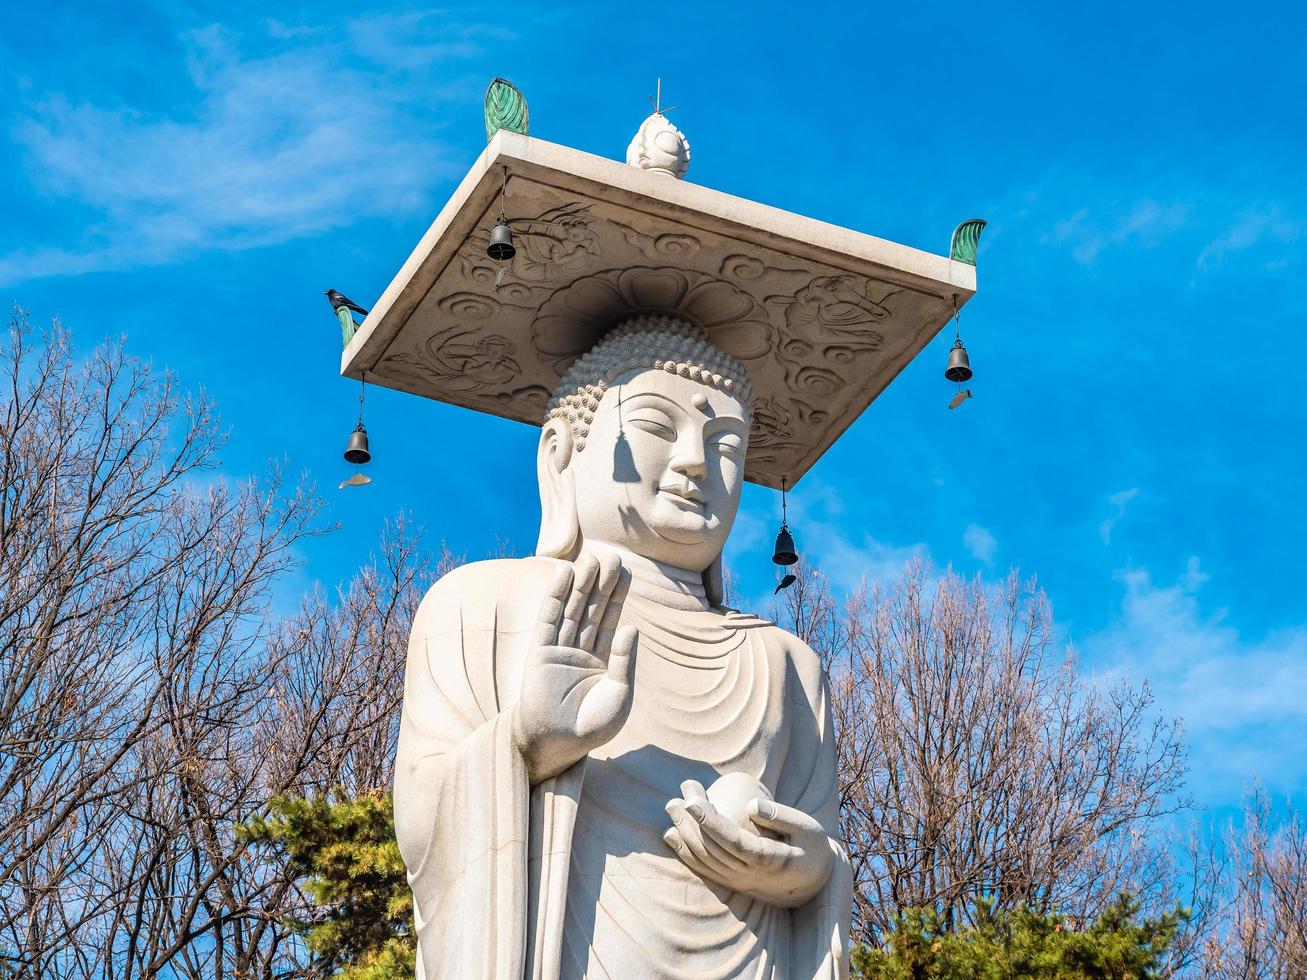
x,y
658,425
728,444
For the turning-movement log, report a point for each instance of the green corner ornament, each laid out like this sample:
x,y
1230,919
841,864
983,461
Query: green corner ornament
x,y
505,109
966,240
347,326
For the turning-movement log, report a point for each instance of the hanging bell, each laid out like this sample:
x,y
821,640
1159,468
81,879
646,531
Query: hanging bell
x,y
357,450
501,242
785,553
959,365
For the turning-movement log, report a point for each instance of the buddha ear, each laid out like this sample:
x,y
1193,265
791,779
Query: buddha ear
x,y
560,531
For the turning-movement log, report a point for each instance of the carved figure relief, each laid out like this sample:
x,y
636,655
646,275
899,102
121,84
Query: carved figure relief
x,y
553,246
459,359
770,431
833,313
771,421
772,434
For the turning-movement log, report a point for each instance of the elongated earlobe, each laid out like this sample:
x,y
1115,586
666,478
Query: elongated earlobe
x,y
560,532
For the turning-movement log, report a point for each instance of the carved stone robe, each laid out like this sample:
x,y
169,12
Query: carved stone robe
x,y
571,878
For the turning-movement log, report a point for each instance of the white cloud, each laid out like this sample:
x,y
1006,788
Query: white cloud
x,y
1251,228
850,561
308,137
980,543
1118,502
1243,700
1147,223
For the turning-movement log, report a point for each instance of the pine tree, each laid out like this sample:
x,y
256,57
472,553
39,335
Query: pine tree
x,y
1022,943
344,851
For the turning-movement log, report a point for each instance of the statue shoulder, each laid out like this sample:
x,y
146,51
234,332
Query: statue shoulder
x,y
802,658
499,593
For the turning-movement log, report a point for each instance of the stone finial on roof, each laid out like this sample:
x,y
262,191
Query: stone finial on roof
x,y
658,146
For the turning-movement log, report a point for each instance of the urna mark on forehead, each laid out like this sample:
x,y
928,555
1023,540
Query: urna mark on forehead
x,y
645,343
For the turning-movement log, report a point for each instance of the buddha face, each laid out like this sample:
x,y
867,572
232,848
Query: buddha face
x,y
662,468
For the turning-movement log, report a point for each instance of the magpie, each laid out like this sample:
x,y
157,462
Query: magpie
x,y
340,299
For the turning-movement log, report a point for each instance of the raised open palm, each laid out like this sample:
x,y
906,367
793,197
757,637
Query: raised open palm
x,y
576,688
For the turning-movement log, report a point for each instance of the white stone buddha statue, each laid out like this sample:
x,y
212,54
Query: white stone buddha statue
x,y
602,772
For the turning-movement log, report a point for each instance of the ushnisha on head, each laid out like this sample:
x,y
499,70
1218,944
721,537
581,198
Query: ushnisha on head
x,y
643,446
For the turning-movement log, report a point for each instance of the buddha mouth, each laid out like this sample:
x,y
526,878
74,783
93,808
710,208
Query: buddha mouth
x,y
686,493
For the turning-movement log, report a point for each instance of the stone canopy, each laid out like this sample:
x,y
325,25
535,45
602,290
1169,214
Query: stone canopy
x,y
822,317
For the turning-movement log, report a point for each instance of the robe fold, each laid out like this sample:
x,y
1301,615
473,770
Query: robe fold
x,y
571,878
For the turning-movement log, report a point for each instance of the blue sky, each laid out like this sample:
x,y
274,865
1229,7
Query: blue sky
x,y
195,175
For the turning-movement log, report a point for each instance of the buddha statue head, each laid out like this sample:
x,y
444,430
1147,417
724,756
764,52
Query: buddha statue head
x,y
643,448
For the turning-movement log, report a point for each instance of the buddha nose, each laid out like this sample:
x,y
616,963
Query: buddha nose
x,y
689,460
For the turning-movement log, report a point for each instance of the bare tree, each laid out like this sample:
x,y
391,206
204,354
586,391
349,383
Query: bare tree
x,y
1260,930
116,576
149,700
976,761
315,710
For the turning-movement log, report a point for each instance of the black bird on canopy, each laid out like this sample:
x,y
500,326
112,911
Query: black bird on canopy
x,y
339,300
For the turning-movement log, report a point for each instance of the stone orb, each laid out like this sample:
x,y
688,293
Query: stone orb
x,y
730,795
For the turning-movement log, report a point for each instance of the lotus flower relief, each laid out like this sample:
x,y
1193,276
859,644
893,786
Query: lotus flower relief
x,y
576,316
